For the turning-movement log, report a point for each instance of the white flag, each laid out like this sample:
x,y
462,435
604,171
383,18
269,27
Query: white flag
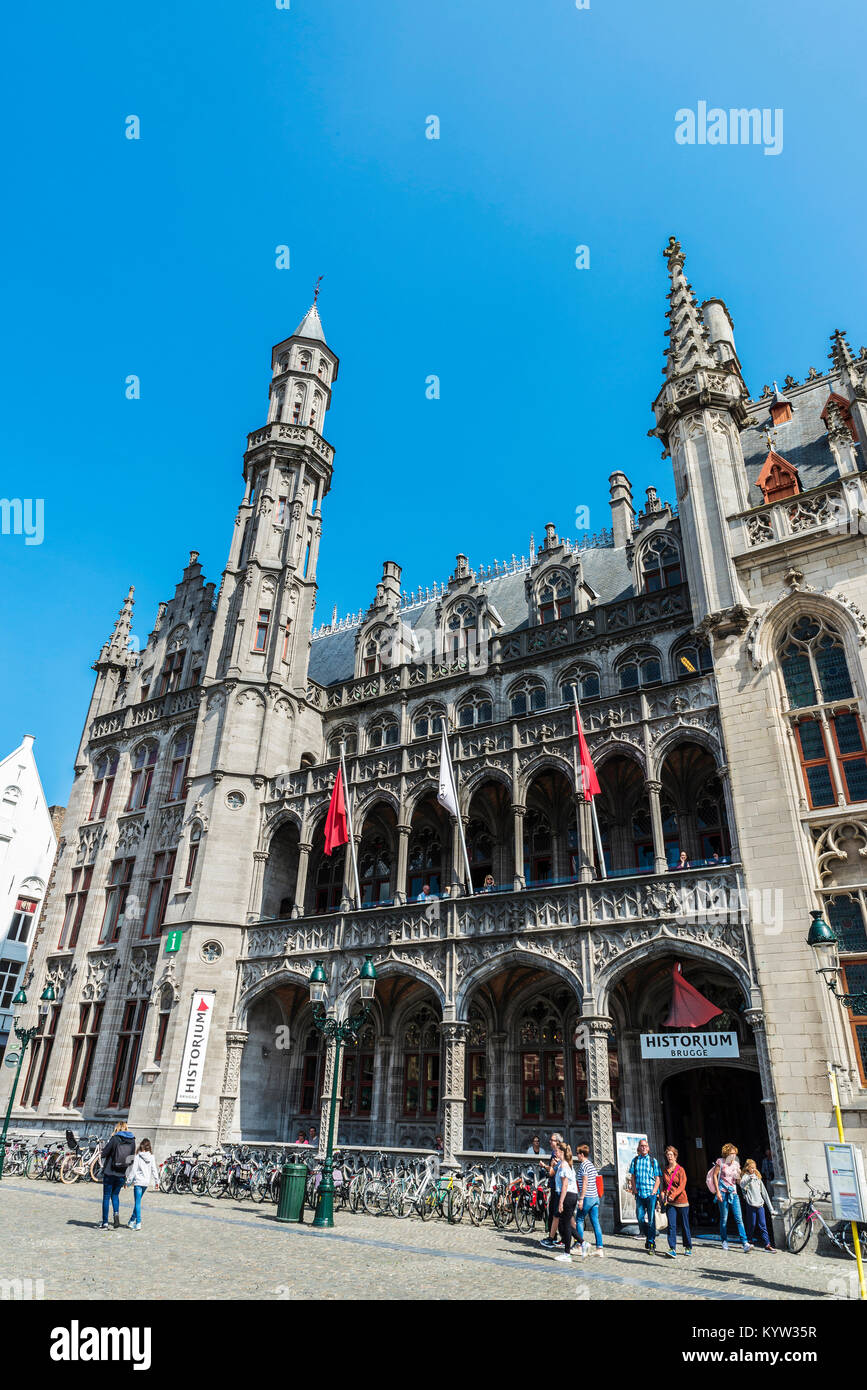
x,y
447,795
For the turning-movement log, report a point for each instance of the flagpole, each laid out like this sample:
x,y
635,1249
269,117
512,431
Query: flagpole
x,y
459,819
348,805
603,873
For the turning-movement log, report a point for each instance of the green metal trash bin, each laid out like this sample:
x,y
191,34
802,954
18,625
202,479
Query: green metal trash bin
x,y
293,1182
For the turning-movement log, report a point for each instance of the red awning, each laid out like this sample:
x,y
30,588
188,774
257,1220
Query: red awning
x,y
689,1009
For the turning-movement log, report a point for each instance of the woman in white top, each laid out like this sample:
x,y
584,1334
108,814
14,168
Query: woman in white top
x,y
567,1200
141,1170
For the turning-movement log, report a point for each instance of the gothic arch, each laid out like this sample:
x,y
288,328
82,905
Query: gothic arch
x,y
606,979
284,816
515,955
475,780
615,747
429,787
684,733
254,993
766,629
364,808
394,966
529,773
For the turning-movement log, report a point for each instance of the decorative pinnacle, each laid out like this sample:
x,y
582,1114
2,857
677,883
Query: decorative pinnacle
x,y
316,290
688,345
841,353
116,648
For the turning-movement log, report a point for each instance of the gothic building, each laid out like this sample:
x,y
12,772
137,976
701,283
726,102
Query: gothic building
x,y
717,648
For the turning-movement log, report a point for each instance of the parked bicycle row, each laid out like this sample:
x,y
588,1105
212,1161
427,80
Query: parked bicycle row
x,y
58,1160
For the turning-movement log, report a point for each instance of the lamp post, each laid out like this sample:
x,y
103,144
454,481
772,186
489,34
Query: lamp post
x,y
823,940
24,1036
337,1031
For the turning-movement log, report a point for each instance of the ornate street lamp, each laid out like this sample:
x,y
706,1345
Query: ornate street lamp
x,y
338,1031
24,1036
823,939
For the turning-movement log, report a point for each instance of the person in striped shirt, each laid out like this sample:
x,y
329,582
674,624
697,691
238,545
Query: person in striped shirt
x,y
588,1199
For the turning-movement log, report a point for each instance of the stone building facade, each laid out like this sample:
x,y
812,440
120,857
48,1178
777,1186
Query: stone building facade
x,y
717,650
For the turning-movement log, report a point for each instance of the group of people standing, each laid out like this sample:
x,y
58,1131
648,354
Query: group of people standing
x,y
664,1190
124,1165
573,1197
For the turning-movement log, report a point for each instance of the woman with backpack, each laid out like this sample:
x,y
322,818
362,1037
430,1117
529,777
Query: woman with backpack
x,y
723,1180
675,1203
120,1148
141,1170
588,1199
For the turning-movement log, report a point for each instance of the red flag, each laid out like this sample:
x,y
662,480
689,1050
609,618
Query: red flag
x,y
335,822
689,1009
589,780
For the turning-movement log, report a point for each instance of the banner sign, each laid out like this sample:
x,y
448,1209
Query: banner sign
x,y
689,1045
846,1181
193,1061
627,1148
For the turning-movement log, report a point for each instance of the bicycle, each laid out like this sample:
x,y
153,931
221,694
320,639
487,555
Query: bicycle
x,y
805,1219
81,1162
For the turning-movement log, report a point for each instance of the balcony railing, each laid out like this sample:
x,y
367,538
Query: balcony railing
x,y
713,892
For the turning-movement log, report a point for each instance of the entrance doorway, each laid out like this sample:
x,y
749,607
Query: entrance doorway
x,y
714,1105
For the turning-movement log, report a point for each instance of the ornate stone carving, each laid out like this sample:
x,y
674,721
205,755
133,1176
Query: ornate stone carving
x,y
169,827
129,836
141,973
838,849
90,838
96,976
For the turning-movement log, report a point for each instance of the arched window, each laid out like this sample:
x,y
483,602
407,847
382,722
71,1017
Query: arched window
x,y
315,409
372,658
279,398
356,1090
329,882
195,841
474,710
421,1065
383,734
555,598
847,914
540,1043
480,851
586,680
526,697
181,750
297,407
711,822
374,872
143,763
639,669
660,564
304,361
830,740
424,861
427,722
349,738
538,847
103,780
310,1091
461,632
170,675
322,369
691,659
477,1066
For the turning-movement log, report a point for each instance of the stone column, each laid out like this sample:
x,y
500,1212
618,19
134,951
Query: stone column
x,y
260,859
520,880
235,1040
381,1078
592,1032
301,879
725,781
660,863
586,842
779,1187
331,1085
402,856
453,1097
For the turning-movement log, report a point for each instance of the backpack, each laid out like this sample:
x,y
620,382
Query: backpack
x,y
710,1182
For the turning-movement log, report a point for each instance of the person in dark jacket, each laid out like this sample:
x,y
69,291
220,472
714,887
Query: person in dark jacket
x,y
119,1149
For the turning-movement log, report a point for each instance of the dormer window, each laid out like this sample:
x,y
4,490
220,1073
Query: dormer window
x,y
372,660
555,599
461,632
660,565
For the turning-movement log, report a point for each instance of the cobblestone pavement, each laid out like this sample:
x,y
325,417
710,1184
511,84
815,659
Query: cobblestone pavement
x,y
197,1248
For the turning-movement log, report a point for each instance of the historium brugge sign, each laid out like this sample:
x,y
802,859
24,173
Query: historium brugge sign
x,y
697,1045
193,1063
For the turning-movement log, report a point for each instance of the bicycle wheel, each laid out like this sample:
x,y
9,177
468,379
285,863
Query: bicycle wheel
x,y
454,1205
398,1201
167,1177
475,1207
501,1210
68,1171
371,1196
427,1204
216,1183
182,1180
799,1233
259,1185
35,1165
846,1236
199,1179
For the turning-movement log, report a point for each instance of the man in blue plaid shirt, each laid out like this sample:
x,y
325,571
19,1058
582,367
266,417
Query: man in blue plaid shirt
x,y
643,1179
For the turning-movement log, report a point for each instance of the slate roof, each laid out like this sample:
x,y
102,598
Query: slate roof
x,y
332,655
803,442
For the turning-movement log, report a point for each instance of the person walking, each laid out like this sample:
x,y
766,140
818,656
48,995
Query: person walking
x,y
755,1196
725,1176
567,1201
549,1241
141,1170
643,1179
588,1200
672,1195
120,1147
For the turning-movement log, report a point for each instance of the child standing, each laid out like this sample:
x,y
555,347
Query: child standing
x,y
141,1170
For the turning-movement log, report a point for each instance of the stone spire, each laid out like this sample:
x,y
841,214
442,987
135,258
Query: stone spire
x,y
115,652
689,346
311,326
841,353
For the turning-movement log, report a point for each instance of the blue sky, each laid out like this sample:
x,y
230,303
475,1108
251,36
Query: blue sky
x,y
453,257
